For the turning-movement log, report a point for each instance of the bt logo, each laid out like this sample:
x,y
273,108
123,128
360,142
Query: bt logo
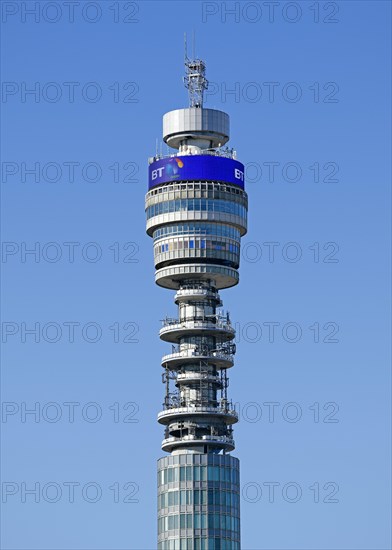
x,y
238,174
157,173
171,169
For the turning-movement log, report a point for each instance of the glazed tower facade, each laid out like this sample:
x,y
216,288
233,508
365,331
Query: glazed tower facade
x,y
196,214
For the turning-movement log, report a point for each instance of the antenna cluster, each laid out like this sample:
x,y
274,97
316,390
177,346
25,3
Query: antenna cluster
x,y
195,77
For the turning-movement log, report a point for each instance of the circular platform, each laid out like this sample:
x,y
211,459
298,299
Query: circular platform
x,y
172,276
198,125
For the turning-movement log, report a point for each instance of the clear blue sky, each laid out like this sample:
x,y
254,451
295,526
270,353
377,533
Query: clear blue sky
x,y
330,105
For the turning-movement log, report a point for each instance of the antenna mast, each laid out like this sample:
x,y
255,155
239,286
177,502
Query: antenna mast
x,y
195,77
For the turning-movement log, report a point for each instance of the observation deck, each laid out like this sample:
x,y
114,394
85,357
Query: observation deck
x,y
174,329
219,441
229,416
207,127
220,359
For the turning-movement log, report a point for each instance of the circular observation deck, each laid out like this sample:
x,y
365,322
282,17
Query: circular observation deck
x,y
173,277
208,128
219,441
188,357
174,329
228,416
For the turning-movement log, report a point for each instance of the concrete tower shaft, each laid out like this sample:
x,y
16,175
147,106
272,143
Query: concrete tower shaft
x,y
196,210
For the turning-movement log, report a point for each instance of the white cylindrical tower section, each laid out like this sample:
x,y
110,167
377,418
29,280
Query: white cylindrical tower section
x,y
195,127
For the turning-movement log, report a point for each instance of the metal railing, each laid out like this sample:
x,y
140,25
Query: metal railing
x,y
192,323
197,290
226,153
192,353
198,409
213,438
203,375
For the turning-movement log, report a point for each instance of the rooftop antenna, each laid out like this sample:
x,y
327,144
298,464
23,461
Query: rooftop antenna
x,y
195,77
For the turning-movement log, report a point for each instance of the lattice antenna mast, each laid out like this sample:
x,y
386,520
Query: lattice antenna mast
x,y
195,78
